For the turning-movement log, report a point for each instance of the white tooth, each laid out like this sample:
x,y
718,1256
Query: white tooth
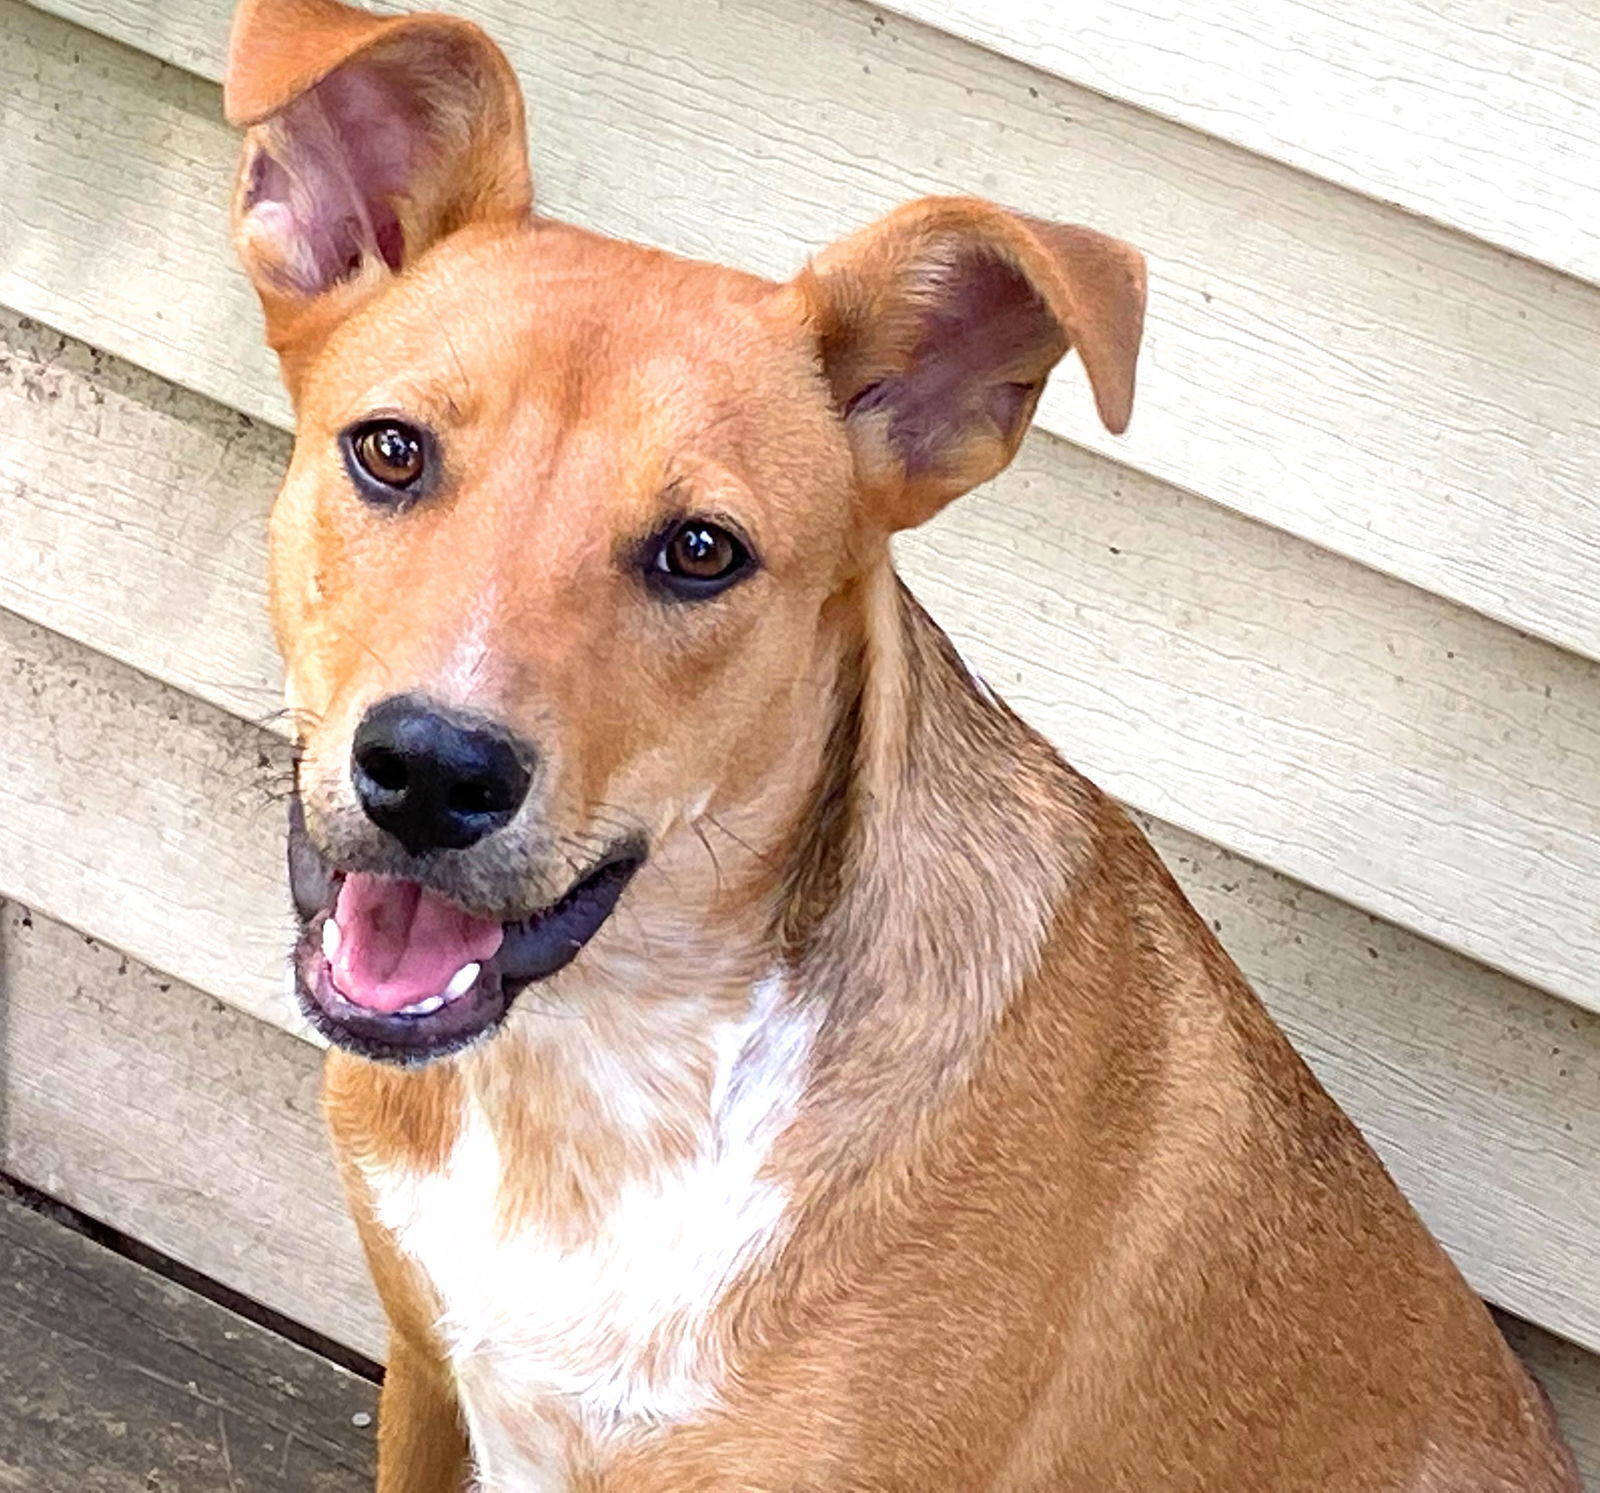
x,y
423,1007
465,978
331,937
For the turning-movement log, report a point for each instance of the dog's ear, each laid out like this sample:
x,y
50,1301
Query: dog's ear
x,y
367,139
938,326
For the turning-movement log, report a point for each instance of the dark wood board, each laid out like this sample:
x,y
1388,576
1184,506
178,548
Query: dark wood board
x,y
114,1379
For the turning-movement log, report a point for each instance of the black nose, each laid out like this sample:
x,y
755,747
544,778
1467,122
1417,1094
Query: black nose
x,y
433,779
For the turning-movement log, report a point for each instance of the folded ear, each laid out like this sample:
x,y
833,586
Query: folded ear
x,y
938,326
367,139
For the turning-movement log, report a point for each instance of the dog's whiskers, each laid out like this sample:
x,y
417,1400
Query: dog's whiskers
x,y
300,717
738,840
716,865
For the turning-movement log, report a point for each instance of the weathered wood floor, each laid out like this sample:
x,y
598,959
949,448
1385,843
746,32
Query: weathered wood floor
x,y
115,1380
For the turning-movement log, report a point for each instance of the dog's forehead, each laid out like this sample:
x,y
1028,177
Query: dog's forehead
x,y
556,310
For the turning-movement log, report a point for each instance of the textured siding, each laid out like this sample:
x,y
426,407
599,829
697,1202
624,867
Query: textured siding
x,y
1480,115
1329,618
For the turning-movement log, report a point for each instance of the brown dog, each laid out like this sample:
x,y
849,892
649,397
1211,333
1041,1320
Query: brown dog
x,y
765,1065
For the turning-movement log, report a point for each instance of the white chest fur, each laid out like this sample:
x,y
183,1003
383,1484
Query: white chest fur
x,y
609,1339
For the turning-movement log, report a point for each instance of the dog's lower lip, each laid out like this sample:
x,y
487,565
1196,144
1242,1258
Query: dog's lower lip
x,y
533,948
536,947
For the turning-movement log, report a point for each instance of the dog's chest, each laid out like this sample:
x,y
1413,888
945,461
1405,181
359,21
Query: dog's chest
x,y
567,1352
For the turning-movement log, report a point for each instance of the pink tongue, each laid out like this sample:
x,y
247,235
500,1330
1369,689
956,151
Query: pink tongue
x,y
400,944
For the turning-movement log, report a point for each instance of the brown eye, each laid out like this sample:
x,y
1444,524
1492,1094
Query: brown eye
x,y
696,559
387,459
701,553
390,453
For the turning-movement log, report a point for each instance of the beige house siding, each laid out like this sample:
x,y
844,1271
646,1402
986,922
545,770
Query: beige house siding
x,y
1328,618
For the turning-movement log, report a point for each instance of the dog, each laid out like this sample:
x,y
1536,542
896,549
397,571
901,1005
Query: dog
x,y
758,1062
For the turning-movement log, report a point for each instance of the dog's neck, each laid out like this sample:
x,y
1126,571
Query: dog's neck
x,y
943,842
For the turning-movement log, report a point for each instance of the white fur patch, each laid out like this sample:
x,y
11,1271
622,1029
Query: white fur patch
x,y
612,1333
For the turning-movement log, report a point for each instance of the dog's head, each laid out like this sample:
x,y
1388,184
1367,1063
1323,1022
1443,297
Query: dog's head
x,y
557,568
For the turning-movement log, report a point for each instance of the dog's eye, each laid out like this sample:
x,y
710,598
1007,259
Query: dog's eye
x,y
387,459
695,559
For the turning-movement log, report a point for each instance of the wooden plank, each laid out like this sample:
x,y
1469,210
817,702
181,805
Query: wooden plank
x,y
1316,360
182,1123
112,1378
1483,117
1484,1094
135,517
144,815
1268,695
110,1064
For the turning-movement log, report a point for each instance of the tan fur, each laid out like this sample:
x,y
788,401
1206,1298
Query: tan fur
x,y
1063,1210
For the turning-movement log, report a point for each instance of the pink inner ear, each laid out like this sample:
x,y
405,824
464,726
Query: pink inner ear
x,y
985,337
328,172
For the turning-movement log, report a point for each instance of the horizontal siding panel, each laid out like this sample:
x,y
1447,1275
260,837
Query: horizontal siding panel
x,y
1480,115
134,517
114,208
1244,685
1483,1094
144,816
246,1192
1333,367
191,1127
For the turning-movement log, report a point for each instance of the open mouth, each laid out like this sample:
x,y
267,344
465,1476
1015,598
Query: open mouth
x,y
393,971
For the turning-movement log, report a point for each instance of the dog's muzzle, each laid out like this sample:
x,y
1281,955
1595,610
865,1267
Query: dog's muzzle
x,y
390,969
